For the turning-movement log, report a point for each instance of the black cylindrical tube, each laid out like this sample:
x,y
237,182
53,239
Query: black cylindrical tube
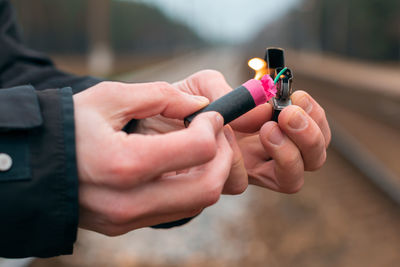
x,y
275,114
230,106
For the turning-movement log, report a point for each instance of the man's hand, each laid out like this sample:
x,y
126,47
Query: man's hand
x,y
278,157
128,181
268,154
164,172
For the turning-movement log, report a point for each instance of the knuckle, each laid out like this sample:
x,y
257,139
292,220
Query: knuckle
x,y
212,193
237,189
240,188
117,167
164,89
316,153
118,214
212,73
321,116
292,189
113,87
168,88
197,78
291,161
113,231
240,181
318,164
212,197
121,212
164,86
193,212
172,94
207,146
316,143
121,171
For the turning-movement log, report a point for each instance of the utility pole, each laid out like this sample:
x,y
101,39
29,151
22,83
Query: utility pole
x,y
100,59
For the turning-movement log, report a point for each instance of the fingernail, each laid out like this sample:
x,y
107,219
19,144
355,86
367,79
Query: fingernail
x,y
219,118
275,136
201,99
305,104
298,120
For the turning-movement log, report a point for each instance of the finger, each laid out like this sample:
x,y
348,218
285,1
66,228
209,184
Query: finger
x,y
137,101
208,83
306,134
287,164
157,154
167,196
252,121
238,179
196,189
161,219
212,84
315,111
111,228
151,221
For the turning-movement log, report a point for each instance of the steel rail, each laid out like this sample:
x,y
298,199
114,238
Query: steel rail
x,y
365,161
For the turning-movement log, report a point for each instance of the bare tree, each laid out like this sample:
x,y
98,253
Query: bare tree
x,y
100,59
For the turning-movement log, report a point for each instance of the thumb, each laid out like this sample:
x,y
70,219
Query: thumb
x,y
137,101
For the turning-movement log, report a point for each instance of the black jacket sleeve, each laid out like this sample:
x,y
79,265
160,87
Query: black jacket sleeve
x,y
38,177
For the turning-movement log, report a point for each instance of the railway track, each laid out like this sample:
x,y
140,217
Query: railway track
x,y
340,217
366,132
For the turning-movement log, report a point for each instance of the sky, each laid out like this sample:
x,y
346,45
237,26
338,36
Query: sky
x,y
230,21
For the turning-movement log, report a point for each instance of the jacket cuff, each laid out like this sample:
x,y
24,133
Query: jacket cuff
x,y
71,174
39,213
59,139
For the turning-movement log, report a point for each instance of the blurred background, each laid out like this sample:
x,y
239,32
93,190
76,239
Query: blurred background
x,y
345,53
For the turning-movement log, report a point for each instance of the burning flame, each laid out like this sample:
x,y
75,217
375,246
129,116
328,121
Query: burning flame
x,y
259,66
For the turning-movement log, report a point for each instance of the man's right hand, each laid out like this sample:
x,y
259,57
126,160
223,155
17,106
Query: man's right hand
x,y
129,181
